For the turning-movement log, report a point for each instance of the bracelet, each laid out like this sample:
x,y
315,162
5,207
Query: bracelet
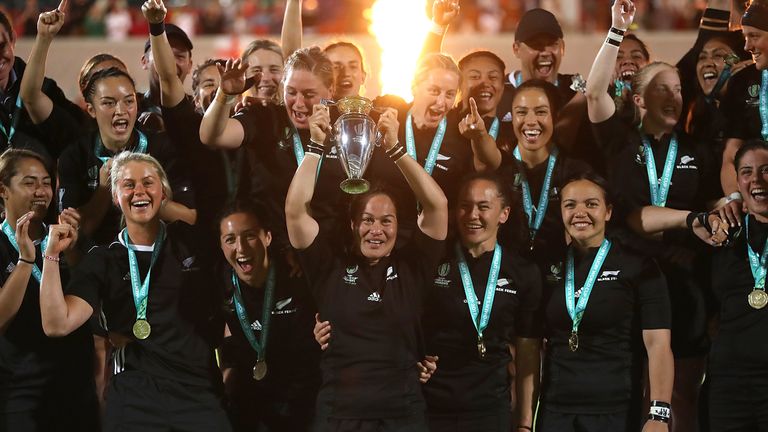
x,y
52,258
733,196
618,31
660,411
615,36
315,147
156,29
525,427
26,261
396,152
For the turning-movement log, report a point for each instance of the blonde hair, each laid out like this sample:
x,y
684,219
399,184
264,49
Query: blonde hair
x,y
122,159
434,61
645,75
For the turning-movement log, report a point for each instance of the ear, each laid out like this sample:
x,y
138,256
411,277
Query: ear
x,y
516,49
504,216
639,101
267,238
562,47
145,60
114,200
89,108
3,192
608,212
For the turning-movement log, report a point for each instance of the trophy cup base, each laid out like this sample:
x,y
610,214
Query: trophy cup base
x,y
355,186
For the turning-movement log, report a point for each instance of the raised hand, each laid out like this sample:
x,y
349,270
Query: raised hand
x,y
60,238
472,125
622,14
233,76
71,217
389,126
26,246
49,23
154,11
319,123
444,12
104,171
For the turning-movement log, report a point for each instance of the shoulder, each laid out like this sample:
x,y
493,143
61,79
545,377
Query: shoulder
x,y
391,101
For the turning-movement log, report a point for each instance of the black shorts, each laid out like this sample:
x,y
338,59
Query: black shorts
x,y
551,421
500,421
139,402
738,404
415,423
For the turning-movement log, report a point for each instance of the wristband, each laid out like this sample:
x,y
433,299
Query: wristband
x,y
52,258
618,31
437,29
525,427
734,196
315,147
396,152
615,36
26,261
156,29
228,98
660,411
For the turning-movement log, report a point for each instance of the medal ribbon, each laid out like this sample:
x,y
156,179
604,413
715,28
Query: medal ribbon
x,y
721,80
576,311
620,86
266,314
141,289
494,130
140,148
298,150
437,142
757,263
14,120
659,186
534,222
12,238
764,105
490,288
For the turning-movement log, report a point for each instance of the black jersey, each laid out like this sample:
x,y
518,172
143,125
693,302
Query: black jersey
x,y
454,161
269,143
369,369
34,367
293,356
79,177
463,382
602,376
183,300
741,104
739,348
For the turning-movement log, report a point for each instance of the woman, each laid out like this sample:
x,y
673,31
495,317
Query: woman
x,y
44,380
268,318
155,292
264,58
483,81
594,351
633,56
371,294
656,163
737,377
470,391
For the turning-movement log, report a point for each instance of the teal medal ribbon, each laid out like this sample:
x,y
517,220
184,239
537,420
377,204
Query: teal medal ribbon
x,y
494,130
757,263
535,221
764,105
480,318
437,142
11,131
721,80
298,150
659,187
619,87
9,232
139,288
576,310
140,148
260,369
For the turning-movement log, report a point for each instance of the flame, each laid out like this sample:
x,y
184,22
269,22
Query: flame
x,y
400,27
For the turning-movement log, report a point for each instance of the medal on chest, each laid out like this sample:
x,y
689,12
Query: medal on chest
x,y
140,288
757,299
259,346
576,310
479,318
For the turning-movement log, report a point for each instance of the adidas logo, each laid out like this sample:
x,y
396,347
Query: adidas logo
x,y
256,325
127,276
10,268
507,117
374,297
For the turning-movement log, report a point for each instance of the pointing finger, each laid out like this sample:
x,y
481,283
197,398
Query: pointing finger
x,y
473,109
63,6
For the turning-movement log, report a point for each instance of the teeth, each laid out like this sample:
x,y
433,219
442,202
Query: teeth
x,y
532,133
474,226
628,74
485,95
377,242
140,203
545,63
243,260
709,75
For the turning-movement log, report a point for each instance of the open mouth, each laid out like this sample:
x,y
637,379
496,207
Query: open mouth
x,y
121,126
628,74
580,225
267,89
484,96
434,116
38,204
300,116
375,243
472,227
544,66
345,84
531,135
245,264
759,194
141,204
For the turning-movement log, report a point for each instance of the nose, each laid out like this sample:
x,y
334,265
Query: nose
x,y
120,107
301,102
748,45
239,243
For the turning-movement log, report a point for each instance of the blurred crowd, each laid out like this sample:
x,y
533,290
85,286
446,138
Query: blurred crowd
x,y
120,19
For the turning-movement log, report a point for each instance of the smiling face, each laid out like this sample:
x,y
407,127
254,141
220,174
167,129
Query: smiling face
x,y
113,105
752,176
662,99
209,80
484,81
375,229
303,90
244,244
434,96
28,190
711,63
532,119
270,65
631,59
348,69
138,192
479,213
540,57
585,212
7,56
757,45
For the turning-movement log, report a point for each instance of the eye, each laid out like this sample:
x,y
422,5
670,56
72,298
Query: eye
x,y
568,205
484,207
229,240
108,103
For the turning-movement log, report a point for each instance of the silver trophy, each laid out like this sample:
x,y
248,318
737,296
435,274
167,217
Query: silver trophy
x,y
354,135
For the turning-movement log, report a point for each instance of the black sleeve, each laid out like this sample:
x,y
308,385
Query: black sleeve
x,y
611,135
73,178
62,128
166,154
90,277
259,123
653,297
316,262
710,188
526,314
423,253
735,104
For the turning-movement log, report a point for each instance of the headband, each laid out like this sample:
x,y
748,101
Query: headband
x,y
756,16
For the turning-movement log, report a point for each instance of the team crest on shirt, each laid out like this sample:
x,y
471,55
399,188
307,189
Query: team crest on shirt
x,y
504,285
442,272
685,163
555,272
609,275
93,177
349,278
391,274
754,95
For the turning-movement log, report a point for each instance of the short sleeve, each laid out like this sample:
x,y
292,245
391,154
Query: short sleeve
x,y
257,121
316,262
90,277
611,135
424,254
72,179
653,296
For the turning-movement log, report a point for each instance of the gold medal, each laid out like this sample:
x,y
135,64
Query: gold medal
x,y
481,347
757,298
573,341
260,370
141,329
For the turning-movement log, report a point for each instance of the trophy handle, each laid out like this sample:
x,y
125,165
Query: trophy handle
x,y
379,137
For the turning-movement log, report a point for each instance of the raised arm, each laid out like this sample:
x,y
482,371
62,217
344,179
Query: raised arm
x,y
600,105
302,227
60,314
444,12
486,156
37,103
171,87
217,129
291,34
433,220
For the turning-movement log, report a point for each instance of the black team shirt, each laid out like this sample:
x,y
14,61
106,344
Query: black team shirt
x,y
602,376
182,303
463,382
369,369
741,104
